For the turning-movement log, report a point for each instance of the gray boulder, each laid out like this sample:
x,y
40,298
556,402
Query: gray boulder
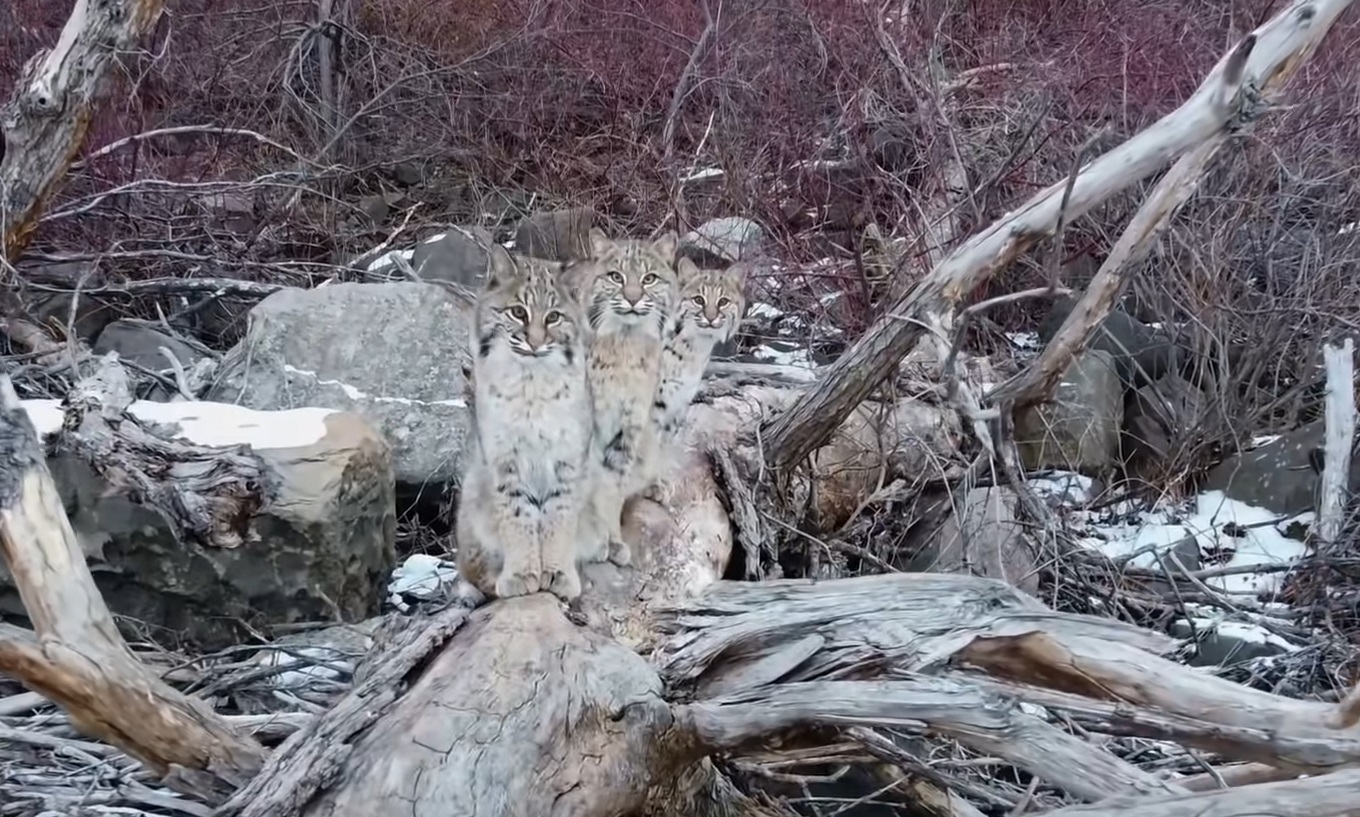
x,y
140,342
323,543
1078,428
982,537
1141,353
458,256
560,235
1282,476
1227,643
392,353
732,238
1160,413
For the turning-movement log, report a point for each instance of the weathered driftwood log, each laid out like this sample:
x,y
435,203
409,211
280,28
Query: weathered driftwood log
x,y
1225,101
207,495
76,658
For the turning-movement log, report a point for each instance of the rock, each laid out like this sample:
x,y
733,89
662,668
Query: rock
x,y
1078,428
232,210
852,462
325,536
458,256
409,173
53,309
1279,476
562,235
982,538
1227,643
378,207
1141,353
731,238
393,353
138,342
1159,413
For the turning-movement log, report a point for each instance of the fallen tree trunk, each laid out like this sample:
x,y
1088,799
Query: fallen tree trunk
x,y
1276,49
76,657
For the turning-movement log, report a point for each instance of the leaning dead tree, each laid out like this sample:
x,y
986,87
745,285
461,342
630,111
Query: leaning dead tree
x,y
522,708
1233,96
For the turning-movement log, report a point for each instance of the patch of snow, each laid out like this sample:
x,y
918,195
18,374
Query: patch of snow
x,y
1063,487
706,173
1248,536
329,667
1256,442
208,423
830,298
760,309
1024,340
385,261
355,393
1349,228
421,576
785,357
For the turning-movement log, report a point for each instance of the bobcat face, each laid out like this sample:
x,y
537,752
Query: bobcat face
x,y
631,282
711,301
525,305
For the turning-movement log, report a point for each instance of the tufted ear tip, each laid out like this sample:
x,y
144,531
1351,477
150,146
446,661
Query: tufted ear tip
x,y
500,267
667,245
599,242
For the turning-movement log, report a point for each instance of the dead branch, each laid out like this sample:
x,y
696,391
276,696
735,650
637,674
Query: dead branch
x,y
1330,796
1280,46
1340,437
77,659
45,122
1041,377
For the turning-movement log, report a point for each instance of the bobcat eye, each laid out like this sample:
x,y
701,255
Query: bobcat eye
x,y
723,302
519,313
552,318
698,300
649,278
616,276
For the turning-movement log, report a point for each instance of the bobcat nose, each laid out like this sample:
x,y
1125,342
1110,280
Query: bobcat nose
x,y
536,337
632,293
711,314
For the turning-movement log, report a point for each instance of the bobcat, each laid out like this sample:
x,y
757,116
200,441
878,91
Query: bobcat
x,y
523,487
629,289
711,306
709,312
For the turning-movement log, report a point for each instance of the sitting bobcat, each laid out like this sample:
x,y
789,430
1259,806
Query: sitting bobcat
x,y
523,487
629,289
709,312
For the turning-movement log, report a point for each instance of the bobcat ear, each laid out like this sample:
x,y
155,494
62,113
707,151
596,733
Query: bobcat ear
x,y
599,242
685,268
500,267
667,245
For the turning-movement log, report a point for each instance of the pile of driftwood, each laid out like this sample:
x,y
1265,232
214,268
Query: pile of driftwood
x,y
520,708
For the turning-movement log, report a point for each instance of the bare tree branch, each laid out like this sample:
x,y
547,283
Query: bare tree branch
x,y
1281,45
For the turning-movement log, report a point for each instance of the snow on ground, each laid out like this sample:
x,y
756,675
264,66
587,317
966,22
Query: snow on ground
x,y
1231,536
421,577
1240,547
328,666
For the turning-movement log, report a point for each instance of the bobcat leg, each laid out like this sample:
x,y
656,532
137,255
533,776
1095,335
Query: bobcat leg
x,y
522,564
559,574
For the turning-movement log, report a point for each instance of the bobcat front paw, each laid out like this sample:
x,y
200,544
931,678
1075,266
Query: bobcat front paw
x,y
619,552
518,583
565,583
